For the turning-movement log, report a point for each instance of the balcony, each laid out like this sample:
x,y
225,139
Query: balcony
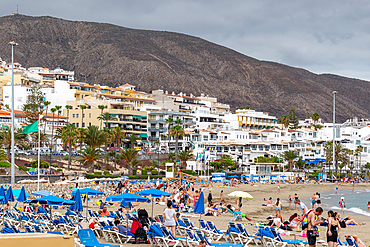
x,y
157,129
150,138
157,121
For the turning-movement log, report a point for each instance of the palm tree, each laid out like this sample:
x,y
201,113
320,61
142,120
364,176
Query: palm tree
x,y
177,131
315,117
106,117
118,136
169,121
59,111
109,139
68,107
300,163
341,166
83,107
94,137
6,138
341,154
290,156
285,120
129,155
81,135
53,110
3,155
101,107
135,163
132,139
46,104
43,138
68,135
359,148
185,156
89,156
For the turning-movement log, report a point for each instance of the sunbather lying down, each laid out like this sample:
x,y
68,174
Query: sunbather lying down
x,y
234,210
358,241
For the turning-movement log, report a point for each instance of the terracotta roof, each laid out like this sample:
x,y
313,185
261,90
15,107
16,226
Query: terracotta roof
x,y
269,131
127,85
51,115
125,97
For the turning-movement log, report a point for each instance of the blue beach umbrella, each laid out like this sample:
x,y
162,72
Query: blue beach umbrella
x,y
153,193
22,195
2,196
42,193
77,207
199,205
9,194
87,191
52,200
127,197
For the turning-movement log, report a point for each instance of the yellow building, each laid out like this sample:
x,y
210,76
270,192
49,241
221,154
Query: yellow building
x,y
123,114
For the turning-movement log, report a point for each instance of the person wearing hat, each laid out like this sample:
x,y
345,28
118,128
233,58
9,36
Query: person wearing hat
x,y
342,204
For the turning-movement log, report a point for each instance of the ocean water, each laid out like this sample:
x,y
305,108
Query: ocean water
x,y
356,201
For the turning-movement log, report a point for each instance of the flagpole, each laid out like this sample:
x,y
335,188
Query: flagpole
x,y
38,156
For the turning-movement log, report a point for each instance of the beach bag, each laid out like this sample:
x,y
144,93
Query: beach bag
x,y
315,231
305,220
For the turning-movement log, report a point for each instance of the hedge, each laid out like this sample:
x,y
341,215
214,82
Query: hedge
x,y
43,164
190,172
145,177
92,176
23,168
5,163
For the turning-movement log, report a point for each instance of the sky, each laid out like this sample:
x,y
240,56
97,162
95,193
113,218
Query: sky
x,y
320,36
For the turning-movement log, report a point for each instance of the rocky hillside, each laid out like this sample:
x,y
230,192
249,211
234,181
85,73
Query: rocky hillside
x,y
114,55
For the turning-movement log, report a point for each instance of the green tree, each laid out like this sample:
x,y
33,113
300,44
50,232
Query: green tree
x,y
106,117
177,131
68,107
34,106
185,156
300,163
222,163
53,110
108,140
293,119
82,107
169,122
341,154
172,157
284,120
43,138
68,136
89,156
358,152
94,137
289,156
3,155
59,111
81,136
46,104
43,164
315,117
101,107
341,166
6,138
129,155
118,136
132,139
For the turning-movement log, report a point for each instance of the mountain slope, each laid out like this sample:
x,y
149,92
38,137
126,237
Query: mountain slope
x,y
114,55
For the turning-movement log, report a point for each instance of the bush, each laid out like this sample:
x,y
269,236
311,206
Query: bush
x,y
154,172
5,163
2,170
66,157
144,172
55,165
59,170
106,172
134,172
145,176
92,176
23,168
190,172
162,173
97,173
43,164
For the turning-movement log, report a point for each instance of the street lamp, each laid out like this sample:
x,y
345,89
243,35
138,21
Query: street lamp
x,y
12,168
334,92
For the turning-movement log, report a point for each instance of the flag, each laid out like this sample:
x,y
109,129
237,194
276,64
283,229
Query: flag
x,y
33,127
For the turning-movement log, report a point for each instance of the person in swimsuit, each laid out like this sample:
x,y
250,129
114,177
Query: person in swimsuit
x,y
312,222
333,229
295,200
318,199
290,200
313,201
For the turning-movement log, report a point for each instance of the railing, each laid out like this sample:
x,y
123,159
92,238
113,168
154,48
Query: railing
x,y
153,138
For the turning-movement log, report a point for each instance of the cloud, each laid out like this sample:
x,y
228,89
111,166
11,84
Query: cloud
x,y
321,36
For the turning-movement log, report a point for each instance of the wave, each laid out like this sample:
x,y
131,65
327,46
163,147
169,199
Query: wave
x,y
353,210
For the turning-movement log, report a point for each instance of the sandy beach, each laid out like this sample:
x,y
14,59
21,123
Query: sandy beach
x,y
254,209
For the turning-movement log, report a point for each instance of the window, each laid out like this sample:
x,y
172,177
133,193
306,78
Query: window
x,y
76,115
77,125
83,115
205,138
83,125
89,115
90,124
73,115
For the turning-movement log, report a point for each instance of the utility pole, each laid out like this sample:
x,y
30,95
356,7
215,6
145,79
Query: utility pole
x,y
12,168
334,92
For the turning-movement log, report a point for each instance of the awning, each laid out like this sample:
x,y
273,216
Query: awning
x,y
135,116
145,141
143,135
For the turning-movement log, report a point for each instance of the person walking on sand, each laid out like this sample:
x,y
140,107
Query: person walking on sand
x,y
303,207
342,204
278,188
295,200
336,188
290,200
313,201
278,206
170,220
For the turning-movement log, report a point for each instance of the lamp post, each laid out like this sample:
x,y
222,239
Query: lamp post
x,y
12,168
334,92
